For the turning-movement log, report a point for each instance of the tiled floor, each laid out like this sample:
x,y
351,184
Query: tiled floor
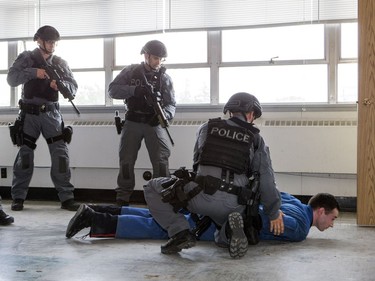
x,y
35,248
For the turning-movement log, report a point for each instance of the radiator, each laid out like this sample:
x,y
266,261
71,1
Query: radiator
x,y
296,146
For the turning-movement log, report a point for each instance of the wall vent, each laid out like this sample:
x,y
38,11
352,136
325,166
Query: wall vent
x,y
4,124
112,123
93,123
309,123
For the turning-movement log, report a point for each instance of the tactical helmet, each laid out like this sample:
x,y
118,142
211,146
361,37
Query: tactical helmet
x,y
47,33
243,102
156,48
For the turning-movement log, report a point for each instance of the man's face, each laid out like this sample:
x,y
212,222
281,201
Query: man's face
x,y
325,220
47,45
153,61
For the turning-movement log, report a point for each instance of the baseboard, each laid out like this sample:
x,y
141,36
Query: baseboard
x,y
347,204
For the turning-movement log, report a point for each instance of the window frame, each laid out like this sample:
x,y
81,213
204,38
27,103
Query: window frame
x,y
214,63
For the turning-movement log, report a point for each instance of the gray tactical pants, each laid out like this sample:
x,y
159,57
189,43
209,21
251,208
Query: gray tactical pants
x,y
217,206
49,124
159,149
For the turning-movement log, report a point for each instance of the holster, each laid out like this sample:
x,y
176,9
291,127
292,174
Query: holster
x,y
173,192
16,132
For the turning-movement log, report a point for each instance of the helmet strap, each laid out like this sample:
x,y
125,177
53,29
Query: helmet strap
x,y
43,47
148,65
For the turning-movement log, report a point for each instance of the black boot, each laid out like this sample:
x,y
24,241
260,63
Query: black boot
x,y
17,205
5,219
182,240
104,225
70,205
237,239
110,209
82,219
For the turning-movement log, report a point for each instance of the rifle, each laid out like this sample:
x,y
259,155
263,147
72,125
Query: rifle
x,y
152,100
54,75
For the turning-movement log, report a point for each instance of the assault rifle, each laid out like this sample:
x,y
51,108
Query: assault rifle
x,y
152,99
54,75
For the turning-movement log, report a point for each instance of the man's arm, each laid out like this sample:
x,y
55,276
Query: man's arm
x,y
120,87
269,194
21,71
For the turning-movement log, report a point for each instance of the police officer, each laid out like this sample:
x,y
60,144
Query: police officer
x,y
132,85
39,113
226,154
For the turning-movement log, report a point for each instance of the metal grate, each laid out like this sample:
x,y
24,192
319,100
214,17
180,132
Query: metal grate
x,y
112,123
309,123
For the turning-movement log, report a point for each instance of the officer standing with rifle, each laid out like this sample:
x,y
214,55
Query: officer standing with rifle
x,y
149,96
43,76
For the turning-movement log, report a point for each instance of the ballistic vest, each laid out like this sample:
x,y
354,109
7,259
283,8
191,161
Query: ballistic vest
x,y
139,104
39,87
227,147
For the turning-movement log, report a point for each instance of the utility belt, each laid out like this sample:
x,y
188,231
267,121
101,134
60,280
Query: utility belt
x,y
174,193
139,117
211,184
37,109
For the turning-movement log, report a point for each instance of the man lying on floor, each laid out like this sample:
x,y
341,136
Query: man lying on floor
x,y
137,223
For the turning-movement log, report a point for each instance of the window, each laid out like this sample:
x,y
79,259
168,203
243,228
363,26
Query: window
x,y
348,66
306,63
349,42
191,85
279,43
90,89
4,55
276,84
279,64
182,47
82,53
4,88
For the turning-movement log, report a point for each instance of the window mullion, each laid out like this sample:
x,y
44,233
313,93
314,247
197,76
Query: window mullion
x,y
332,54
214,60
109,61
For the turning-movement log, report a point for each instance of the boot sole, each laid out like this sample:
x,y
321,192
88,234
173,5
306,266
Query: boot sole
x,y
238,244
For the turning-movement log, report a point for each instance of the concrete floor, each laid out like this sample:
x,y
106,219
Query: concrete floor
x,y
35,248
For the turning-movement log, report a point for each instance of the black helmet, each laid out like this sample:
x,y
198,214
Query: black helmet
x,y
243,102
156,48
47,33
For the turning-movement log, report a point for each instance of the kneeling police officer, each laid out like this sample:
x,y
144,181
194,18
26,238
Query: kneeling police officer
x,y
227,154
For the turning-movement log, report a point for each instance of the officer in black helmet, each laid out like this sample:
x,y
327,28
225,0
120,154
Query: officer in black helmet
x,y
226,155
141,122
40,113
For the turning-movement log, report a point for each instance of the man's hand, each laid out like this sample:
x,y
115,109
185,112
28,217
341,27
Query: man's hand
x,y
277,225
41,74
53,85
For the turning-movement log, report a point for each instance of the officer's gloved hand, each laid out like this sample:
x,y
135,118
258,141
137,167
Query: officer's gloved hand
x,y
140,92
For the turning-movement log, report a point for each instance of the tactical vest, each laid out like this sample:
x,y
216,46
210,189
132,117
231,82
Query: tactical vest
x,y
39,87
227,147
139,104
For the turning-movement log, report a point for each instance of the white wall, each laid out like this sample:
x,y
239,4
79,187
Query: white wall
x,y
317,154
